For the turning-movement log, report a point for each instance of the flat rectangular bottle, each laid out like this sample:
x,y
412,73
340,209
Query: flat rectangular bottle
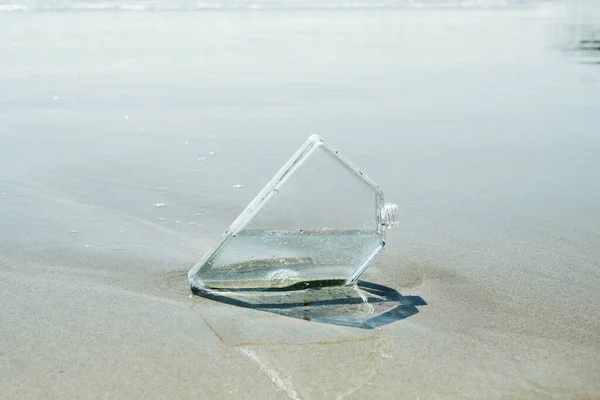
x,y
319,222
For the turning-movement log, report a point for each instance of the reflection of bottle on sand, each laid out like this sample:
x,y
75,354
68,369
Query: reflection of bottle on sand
x,y
319,222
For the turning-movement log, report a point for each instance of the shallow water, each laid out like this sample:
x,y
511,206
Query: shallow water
x,y
123,134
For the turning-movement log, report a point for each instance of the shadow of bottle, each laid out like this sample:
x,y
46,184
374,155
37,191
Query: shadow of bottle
x,y
363,305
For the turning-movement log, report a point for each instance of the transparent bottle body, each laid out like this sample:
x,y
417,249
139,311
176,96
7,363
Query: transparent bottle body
x,y
318,222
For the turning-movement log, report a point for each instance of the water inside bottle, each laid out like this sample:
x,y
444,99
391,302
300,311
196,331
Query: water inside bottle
x,y
263,259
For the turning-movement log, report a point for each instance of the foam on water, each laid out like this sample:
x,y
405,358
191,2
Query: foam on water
x,y
164,5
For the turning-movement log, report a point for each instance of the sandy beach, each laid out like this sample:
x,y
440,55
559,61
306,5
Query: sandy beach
x,y
131,139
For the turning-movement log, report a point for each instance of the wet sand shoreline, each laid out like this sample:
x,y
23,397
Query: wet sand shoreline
x,y
122,138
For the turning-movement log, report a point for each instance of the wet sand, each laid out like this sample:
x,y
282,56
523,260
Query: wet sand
x,y
123,134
